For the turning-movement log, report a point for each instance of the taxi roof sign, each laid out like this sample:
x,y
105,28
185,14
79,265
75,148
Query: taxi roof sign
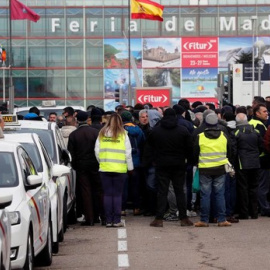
x,y
10,119
48,103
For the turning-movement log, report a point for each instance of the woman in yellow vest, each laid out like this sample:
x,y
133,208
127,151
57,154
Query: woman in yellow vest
x,y
113,152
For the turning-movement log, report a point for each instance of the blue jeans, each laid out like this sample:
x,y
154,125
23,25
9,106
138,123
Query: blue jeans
x,y
216,184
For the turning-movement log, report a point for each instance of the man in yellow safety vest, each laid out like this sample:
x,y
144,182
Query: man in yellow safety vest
x,y
212,148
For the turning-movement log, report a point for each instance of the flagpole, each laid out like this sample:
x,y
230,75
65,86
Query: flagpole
x,y
129,70
11,88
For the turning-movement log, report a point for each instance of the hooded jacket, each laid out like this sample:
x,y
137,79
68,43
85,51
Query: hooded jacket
x,y
137,138
211,133
168,145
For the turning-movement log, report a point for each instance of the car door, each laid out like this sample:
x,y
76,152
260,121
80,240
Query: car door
x,y
38,201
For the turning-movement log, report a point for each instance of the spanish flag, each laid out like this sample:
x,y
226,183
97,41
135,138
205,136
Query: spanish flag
x,y
146,9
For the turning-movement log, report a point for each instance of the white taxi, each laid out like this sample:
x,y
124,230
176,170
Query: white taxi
x,y
53,141
46,108
50,174
29,211
5,232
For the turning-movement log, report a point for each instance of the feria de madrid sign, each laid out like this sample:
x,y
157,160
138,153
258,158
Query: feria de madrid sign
x,y
157,96
225,24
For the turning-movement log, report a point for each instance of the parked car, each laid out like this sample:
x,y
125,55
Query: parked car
x,y
5,232
29,212
50,174
52,139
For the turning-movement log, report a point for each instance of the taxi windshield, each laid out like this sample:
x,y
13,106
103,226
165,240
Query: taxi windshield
x,y
33,152
8,171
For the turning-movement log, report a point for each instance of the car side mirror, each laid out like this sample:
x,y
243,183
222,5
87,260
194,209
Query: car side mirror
x,y
5,200
33,181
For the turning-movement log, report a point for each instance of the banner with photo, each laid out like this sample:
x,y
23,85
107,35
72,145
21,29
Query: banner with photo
x,y
169,77
231,48
116,52
119,79
161,52
199,82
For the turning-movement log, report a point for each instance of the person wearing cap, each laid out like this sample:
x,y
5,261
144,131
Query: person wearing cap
x,y
211,152
169,145
81,145
203,126
249,146
137,139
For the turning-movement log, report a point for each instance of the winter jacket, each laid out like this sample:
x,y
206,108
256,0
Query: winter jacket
x,y
137,140
183,122
249,145
211,133
264,158
66,130
81,145
168,145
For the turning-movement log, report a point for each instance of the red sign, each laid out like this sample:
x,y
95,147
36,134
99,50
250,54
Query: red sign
x,y
154,95
199,52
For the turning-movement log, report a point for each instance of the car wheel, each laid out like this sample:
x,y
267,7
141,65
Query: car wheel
x,y
29,260
46,254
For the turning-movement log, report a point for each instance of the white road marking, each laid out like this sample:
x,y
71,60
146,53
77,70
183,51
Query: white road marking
x,y
123,260
122,233
122,245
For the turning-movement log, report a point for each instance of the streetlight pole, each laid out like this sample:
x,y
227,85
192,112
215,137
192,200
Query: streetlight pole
x,y
253,19
261,47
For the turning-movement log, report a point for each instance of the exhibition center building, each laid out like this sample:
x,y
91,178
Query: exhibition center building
x,y
80,51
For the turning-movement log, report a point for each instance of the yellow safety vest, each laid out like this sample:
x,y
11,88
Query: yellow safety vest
x,y
213,152
112,155
255,123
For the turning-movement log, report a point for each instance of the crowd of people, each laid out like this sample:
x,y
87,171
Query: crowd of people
x,y
145,159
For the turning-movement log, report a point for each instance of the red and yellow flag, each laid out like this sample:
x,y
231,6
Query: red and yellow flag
x,y
146,9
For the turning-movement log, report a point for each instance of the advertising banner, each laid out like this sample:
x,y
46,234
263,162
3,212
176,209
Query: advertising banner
x,y
199,52
157,96
199,82
161,53
247,72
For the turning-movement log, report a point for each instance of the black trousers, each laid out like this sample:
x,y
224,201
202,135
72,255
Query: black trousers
x,y
177,176
247,190
90,191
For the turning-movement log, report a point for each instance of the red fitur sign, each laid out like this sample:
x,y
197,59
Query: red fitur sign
x,y
199,52
157,96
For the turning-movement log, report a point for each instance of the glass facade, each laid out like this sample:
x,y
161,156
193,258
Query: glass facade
x,y
67,55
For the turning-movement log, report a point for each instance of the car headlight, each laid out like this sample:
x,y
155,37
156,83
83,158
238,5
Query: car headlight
x,y
15,217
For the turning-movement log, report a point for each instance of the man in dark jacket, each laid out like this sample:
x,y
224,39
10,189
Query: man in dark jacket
x,y
249,145
170,145
258,121
81,145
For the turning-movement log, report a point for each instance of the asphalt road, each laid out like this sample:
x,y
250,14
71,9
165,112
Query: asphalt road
x,y
245,245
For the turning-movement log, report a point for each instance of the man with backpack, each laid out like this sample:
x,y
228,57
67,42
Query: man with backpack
x,y
133,184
